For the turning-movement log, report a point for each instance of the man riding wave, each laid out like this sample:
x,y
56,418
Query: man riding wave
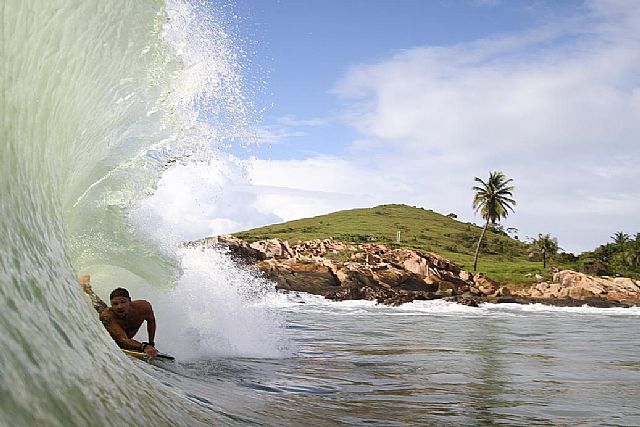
x,y
124,318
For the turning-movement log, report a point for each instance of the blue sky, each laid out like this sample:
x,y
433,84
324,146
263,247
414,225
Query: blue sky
x,y
304,48
371,102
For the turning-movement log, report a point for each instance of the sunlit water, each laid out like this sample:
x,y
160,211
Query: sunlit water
x,y
430,363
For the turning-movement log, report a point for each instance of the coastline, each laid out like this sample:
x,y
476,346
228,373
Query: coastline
x,y
347,271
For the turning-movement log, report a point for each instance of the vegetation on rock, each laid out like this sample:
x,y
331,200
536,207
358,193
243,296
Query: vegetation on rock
x,y
505,259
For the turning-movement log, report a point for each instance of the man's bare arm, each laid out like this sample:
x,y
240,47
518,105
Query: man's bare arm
x,y
151,324
117,333
150,318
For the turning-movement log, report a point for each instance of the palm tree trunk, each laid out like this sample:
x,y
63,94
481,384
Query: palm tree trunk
x,y
475,258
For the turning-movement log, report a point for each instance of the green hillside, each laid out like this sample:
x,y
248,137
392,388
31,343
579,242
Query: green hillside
x,y
502,258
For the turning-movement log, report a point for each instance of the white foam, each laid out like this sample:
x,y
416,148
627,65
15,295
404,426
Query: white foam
x,y
200,199
542,308
301,301
218,310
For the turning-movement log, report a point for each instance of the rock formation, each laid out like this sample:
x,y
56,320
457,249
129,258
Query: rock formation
x,y
568,284
342,271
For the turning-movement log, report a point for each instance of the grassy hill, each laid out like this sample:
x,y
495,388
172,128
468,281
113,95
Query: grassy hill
x,y
502,258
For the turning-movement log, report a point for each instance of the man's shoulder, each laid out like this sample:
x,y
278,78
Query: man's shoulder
x,y
141,303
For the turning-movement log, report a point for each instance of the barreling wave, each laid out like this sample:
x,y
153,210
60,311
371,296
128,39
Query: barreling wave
x,y
98,99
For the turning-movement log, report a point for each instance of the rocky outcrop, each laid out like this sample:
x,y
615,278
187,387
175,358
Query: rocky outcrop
x,y
568,284
341,271
237,247
484,285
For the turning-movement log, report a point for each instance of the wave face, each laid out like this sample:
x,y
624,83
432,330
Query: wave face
x,y
98,99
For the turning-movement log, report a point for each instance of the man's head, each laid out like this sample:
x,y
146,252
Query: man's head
x,y
120,300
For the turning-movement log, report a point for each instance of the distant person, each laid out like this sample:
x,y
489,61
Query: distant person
x,y
124,318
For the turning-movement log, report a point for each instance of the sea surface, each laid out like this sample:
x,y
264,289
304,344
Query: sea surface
x,y
428,363
100,100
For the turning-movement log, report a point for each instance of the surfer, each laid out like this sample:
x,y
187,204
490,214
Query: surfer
x,y
124,318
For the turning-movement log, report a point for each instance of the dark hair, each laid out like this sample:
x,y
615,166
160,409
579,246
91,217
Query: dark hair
x,y
119,292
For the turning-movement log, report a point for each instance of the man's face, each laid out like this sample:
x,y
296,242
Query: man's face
x,y
120,306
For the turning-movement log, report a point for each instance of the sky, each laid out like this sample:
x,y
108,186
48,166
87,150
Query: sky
x,y
379,101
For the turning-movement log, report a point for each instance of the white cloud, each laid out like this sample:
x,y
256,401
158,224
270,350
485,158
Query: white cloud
x,y
290,120
275,134
285,127
302,188
556,108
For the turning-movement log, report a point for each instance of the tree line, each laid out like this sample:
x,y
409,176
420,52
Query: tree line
x,y
621,257
493,199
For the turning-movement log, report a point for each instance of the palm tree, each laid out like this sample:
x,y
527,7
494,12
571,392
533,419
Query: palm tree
x,y
493,200
631,257
630,249
544,245
620,238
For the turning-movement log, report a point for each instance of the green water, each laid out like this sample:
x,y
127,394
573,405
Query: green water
x,y
96,99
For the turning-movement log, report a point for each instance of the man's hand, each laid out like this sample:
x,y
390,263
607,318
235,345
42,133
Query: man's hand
x,y
150,351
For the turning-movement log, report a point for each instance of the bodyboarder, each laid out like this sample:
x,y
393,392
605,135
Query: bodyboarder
x,y
124,318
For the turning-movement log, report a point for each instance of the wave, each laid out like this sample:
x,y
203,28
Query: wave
x,y
99,99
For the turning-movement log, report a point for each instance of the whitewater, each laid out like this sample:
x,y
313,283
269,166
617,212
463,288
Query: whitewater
x,y
101,102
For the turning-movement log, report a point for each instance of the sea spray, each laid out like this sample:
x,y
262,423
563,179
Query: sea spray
x,y
219,310
218,307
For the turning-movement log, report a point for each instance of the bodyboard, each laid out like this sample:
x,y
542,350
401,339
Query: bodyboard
x,y
140,355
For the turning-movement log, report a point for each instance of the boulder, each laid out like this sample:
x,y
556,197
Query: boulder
x,y
542,287
553,290
464,300
484,284
417,265
446,289
466,276
627,284
571,285
473,290
374,272
569,278
580,293
273,248
503,292
306,277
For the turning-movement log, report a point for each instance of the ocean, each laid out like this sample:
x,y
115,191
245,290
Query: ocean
x,y
100,100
